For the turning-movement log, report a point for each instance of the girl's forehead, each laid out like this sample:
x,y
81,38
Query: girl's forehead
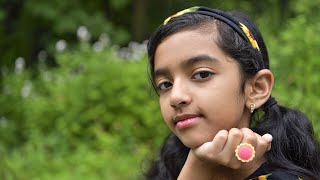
x,y
186,43
193,46
203,29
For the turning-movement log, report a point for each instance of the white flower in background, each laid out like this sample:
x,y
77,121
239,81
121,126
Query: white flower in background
x,y
42,56
83,34
26,89
103,42
145,44
104,39
19,65
133,46
134,51
115,48
61,45
138,49
98,46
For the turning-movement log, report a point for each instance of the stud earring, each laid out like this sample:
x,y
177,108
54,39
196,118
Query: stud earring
x,y
252,107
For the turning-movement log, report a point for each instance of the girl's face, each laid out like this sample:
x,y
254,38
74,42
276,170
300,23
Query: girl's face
x,y
199,87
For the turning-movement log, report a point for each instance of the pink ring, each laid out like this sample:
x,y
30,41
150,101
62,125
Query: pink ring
x,y
245,152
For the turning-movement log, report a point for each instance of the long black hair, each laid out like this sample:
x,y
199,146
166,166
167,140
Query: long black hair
x,y
294,146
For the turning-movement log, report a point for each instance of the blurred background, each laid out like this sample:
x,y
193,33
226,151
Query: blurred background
x,y
75,99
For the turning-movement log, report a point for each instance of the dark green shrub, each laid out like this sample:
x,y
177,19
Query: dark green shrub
x,y
95,109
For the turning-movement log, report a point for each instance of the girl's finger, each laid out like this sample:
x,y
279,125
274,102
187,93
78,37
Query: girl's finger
x,y
268,138
227,156
220,140
208,150
249,137
234,139
263,144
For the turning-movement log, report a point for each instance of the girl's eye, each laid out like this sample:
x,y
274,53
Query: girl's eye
x,y
202,75
164,85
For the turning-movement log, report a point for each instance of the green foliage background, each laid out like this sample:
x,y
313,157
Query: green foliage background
x,y
94,115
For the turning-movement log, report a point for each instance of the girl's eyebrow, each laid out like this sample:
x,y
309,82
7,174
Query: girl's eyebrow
x,y
160,72
187,64
199,59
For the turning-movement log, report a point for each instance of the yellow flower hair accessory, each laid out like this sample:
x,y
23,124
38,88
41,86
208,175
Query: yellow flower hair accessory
x,y
249,36
180,13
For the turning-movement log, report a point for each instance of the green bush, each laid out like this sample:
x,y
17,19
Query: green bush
x,y
295,60
93,117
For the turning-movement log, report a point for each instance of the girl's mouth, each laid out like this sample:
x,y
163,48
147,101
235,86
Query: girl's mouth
x,y
183,121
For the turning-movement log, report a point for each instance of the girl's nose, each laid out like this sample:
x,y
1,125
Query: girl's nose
x,y
179,96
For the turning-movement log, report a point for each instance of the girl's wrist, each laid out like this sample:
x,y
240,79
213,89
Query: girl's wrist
x,y
195,168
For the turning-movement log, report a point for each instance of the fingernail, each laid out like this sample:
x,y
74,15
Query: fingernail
x,y
268,137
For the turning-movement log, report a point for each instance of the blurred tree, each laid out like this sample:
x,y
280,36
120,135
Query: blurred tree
x,y
30,26
34,25
139,19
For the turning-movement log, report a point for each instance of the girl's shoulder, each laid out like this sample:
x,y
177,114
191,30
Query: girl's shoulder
x,y
264,172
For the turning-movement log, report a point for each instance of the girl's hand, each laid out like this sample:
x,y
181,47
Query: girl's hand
x,y
221,150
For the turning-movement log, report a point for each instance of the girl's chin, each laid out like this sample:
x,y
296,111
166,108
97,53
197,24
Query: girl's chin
x,y
194,139
192,144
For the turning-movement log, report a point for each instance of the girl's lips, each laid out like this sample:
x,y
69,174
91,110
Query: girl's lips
x,y
186,120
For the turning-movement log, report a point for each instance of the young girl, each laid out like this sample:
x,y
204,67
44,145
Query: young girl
x,y
211,71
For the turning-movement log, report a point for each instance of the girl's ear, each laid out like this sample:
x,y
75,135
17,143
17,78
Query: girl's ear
x,y
258,89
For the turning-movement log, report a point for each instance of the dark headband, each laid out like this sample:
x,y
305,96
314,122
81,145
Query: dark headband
x,y
239,27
